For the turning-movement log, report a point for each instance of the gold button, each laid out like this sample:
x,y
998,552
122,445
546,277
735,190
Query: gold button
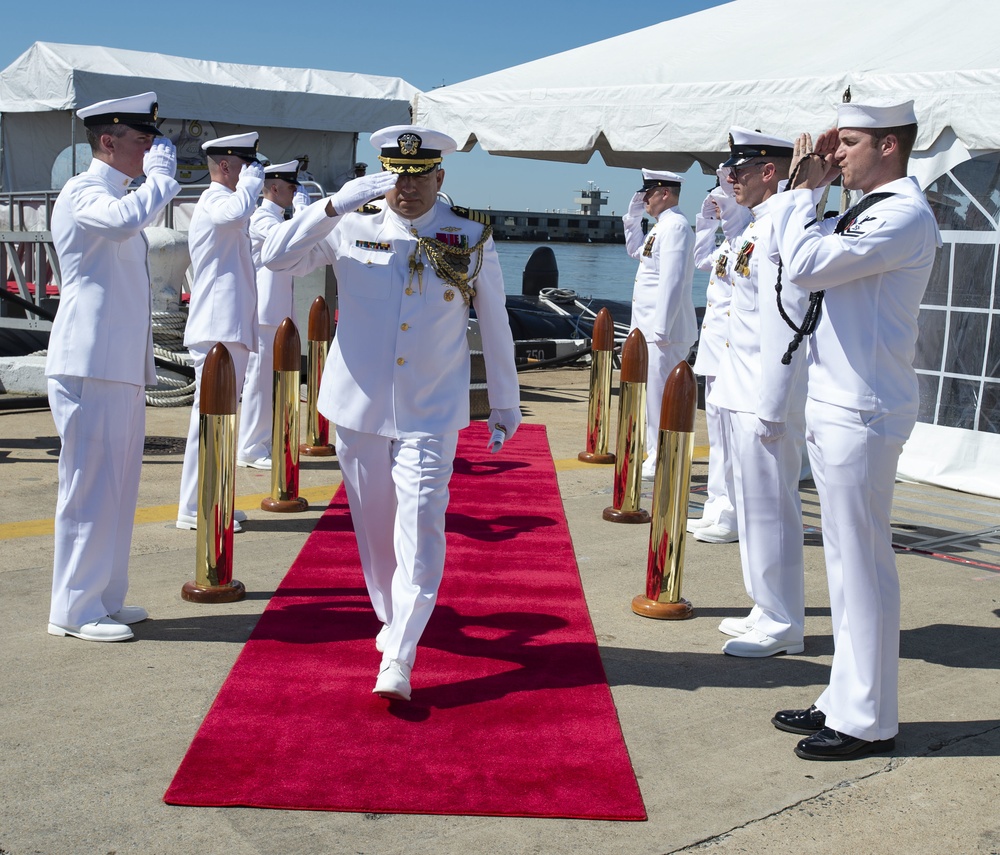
x,y
409,291
404,327
400,361
727,344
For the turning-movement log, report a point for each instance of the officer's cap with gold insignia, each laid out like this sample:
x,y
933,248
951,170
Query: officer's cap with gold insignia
x,y
746,145
411,150
652,178
876,114
136,111
243,146
285,171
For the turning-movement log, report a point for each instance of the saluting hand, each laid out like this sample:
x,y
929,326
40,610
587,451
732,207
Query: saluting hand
x,y
814,166
160,159
358,191
637,207
251,178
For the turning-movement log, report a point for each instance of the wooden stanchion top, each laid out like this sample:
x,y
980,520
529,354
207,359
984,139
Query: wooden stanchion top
x,y
635,358
287,347
680,400
218,383
604,331
319,321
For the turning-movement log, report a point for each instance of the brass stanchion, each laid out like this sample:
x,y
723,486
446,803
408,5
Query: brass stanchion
x,y
317,442
671,486
214,582
631,441
285,496
602,344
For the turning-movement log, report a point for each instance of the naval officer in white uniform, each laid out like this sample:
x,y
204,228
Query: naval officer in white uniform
x,y
223,305
662,305
872,266
717,523
763,401
275,302
396,382
99,360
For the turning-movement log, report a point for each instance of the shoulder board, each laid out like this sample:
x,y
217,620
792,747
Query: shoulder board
x,y
475,216
369,209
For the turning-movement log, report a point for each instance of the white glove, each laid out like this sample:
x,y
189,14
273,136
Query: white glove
x,y
301,200
710,207
502,424
769,432
637,207
358,191
251,178
161,158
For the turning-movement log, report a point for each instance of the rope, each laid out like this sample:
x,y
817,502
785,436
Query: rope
x,y
168,345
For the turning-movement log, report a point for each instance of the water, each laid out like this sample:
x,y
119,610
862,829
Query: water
x,y
601,270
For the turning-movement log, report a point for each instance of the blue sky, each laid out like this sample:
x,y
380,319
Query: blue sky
x,y
428,45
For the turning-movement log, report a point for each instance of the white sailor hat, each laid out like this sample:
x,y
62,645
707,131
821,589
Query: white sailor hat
x,y
745,145
877,113
136,111
285,171
411,150
243,146
660,178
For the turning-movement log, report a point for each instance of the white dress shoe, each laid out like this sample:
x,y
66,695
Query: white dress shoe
x,y
130,614
190,522
694,523
103,629
263,463
756,645
737,626
393,681
383,634
715,533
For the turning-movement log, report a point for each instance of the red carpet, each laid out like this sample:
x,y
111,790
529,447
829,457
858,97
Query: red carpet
x,y
511,713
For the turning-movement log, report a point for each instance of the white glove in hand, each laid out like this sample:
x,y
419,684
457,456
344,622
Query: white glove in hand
x,y
768,432
160,159
502,424
301,200
710,207
358,191
637,207
251,178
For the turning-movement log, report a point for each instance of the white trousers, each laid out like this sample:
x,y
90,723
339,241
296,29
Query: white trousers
x,y
188,503
397,490
257,409
662,360
769,516
720,500
102,426
854,456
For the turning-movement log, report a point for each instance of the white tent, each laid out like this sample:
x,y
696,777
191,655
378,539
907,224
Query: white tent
x,y
297,111
665,96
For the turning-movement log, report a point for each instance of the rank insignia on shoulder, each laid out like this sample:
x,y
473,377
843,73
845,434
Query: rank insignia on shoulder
x,y
475,216
369,209
377,246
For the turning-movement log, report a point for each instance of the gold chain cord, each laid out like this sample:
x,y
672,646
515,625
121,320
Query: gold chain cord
x,y
442,258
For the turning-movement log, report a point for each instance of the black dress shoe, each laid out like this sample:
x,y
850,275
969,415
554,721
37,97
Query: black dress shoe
x,y
830,744
800,721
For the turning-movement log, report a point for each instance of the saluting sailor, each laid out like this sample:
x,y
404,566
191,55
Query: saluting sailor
x,y
396,382
662,305
223,305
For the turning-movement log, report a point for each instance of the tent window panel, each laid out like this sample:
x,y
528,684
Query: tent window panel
x,y
959,403
981,177
993,354
937,288
952,207
928,385
930,340
974,265
966,343
989,416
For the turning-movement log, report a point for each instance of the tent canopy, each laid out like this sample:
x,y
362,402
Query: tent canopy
x,y
666,95
281,103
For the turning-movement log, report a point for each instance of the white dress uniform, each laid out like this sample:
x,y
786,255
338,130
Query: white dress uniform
x,y
396,384
862,404
720,502
662,305
753,386
99,360
223,306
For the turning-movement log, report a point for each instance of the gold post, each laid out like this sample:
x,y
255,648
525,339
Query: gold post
x,y
601,346
631,446
214,581
285,496
317,442
671,487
